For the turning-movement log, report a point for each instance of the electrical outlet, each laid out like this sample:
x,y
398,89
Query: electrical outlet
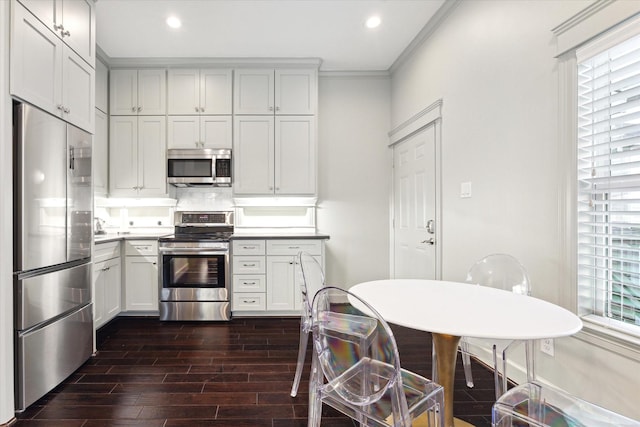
x,y
546,346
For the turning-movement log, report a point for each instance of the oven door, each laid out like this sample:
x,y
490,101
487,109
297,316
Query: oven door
x,y
193,275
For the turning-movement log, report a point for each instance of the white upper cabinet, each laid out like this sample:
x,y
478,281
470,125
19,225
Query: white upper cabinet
x,y
280,92
78,91
102,87
295,151
204,91
253,91
137,156
295,91
253,157
138,92
199,132
73,21
47,73
274,155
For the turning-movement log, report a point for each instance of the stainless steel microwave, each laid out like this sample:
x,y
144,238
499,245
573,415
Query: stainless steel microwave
x,y
190,167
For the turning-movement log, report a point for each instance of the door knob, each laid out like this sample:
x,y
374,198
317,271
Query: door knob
x,y
430,227
430,241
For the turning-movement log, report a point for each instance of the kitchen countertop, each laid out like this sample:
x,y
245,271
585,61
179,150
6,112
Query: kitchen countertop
x,y
245,235
137,235
242,235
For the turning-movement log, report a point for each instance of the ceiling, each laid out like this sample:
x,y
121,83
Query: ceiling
x,y
332,30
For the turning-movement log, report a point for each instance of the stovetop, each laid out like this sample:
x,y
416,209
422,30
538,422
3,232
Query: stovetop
x,y
210,226
196,237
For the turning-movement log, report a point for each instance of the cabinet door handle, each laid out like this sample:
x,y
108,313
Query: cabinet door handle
x,y
139,109
133,109
294,247
277,108
270,108
60,107
66,110
248,247
249,265
57,27
249,301
248,283
65,33
154,263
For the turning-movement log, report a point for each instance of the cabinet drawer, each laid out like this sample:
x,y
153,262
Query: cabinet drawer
x,y
141,247
249,302
248,265
105,251
249,283
292,247
248,247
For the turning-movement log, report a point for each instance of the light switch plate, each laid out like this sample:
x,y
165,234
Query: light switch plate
x,y
465,190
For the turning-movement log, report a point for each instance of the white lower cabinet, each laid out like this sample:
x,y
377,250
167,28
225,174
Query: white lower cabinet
x,y
281,287
141,275
107,282
264,275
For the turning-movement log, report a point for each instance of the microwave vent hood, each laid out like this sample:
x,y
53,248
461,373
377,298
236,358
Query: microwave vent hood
x,y
201,167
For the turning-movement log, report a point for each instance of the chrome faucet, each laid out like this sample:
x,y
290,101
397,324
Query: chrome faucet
x,y
99,223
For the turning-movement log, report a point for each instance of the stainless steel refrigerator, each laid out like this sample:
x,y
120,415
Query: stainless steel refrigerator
x,y
52,251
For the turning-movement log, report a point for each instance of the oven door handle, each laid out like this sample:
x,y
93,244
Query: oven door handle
x,y
191,252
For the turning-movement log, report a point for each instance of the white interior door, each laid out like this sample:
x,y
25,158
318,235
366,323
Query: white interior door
x,y
415,207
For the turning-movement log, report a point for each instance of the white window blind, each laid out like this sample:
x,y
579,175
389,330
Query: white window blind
x,y
608,159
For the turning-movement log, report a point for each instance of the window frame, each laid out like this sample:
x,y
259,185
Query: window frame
x,y
598,330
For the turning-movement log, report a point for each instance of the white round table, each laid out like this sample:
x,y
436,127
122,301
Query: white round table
x,y
450,310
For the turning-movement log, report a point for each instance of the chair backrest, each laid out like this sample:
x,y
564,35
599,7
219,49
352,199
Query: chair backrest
x,y
358,368
534,405
500,271
310,279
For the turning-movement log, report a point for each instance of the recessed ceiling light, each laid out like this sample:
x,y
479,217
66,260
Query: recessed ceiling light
x,y
174,22
373,21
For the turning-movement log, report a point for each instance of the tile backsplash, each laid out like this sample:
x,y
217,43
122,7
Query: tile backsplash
x,y
126,214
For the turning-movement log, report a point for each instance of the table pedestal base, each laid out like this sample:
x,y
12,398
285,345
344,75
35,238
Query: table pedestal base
x,y
446,347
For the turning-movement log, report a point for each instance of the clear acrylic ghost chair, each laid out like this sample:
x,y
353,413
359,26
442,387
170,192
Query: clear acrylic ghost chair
x,y
364,383
309,278
534,405
501,271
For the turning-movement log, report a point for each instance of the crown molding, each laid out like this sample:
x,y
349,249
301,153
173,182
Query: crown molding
x,y
178,62
581,16
354,74
430,27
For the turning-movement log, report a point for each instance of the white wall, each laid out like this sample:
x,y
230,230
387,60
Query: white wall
x,y
491,62
354,167
6,237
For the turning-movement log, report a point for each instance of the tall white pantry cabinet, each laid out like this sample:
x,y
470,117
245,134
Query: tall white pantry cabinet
x,y
274,140
138,142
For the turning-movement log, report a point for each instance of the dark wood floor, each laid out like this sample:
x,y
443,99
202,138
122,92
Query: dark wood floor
x,y
232,374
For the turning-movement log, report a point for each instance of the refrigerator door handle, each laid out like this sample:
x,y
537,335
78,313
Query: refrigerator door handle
x,y
72,159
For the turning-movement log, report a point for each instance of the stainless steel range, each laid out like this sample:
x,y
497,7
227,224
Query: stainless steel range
x,y
194,267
